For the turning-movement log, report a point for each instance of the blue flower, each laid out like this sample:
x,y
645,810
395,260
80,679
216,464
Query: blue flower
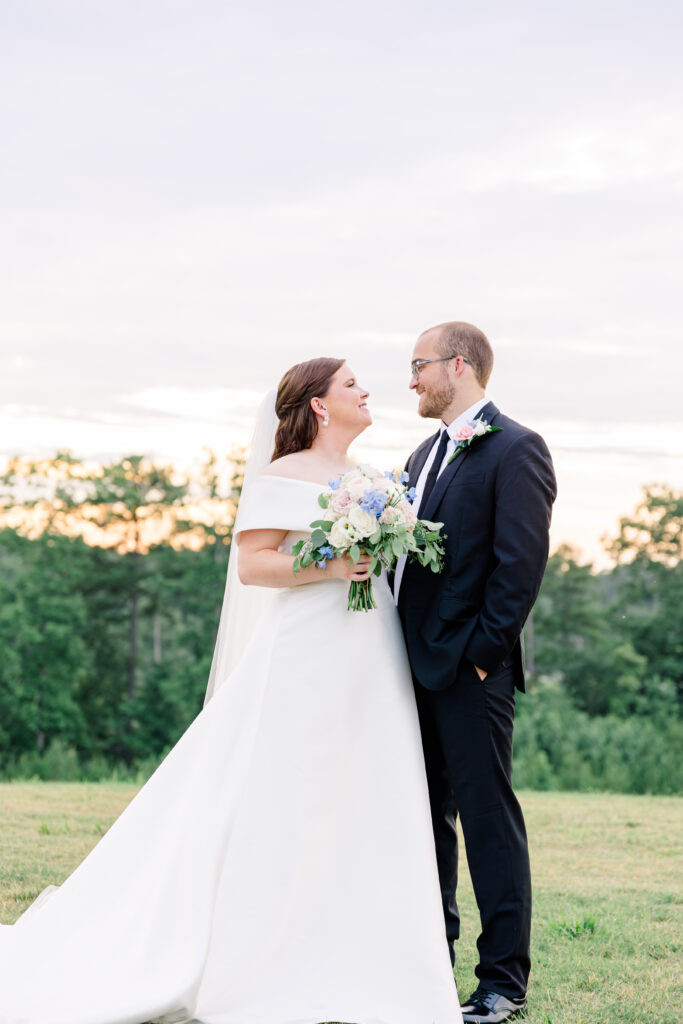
x,y
388,475
327,551
404,477
412,494
321,565
335,484
374,502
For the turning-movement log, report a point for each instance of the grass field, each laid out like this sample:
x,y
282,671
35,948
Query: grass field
x,y
607,888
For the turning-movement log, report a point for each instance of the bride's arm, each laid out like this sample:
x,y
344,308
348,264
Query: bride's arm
x,y
260,564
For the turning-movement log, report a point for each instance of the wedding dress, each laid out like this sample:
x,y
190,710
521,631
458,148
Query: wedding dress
x,y
279,866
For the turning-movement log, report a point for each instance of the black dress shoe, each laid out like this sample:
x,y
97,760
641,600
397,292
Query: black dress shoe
x,y
487,1007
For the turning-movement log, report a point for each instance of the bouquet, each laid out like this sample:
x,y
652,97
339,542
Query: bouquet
x,y
367,511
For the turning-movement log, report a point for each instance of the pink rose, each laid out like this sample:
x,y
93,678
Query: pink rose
x,y
341,501
465,433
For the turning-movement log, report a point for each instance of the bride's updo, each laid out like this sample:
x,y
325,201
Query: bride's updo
x,y
298,424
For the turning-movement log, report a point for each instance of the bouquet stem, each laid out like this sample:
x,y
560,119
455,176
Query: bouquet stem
x,y
361,598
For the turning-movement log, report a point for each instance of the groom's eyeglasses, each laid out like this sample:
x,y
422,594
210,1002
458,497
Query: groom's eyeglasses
x,y
417,364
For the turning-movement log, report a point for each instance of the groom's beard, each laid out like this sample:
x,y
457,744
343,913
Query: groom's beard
x,y
438,398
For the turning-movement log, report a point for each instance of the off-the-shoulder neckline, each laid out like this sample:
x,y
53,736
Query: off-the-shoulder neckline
x,y
292,479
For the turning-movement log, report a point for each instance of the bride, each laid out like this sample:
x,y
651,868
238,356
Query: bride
x,y
278,867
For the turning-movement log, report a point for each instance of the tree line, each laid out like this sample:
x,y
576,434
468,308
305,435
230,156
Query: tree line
x,y
111,584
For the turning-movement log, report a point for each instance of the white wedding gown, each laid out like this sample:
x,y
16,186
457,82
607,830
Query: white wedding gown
x,y
278,867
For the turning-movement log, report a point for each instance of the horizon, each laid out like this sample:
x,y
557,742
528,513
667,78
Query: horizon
x,y
191,467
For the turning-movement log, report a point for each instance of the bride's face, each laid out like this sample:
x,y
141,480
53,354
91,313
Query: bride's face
x,y
346,401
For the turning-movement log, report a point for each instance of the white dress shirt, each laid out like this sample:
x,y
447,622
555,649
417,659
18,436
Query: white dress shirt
x,y
452,428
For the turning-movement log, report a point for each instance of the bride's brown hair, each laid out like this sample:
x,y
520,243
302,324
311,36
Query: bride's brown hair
x,y
298,424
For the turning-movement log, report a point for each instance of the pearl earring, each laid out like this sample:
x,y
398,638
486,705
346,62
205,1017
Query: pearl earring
x,y
326,421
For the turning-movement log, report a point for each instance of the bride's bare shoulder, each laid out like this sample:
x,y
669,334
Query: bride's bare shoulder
x,y
297,466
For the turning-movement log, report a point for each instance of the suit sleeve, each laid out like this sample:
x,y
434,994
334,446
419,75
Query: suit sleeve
x,y
525,491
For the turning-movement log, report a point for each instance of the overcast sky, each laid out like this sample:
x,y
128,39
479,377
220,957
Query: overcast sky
x,y
194,196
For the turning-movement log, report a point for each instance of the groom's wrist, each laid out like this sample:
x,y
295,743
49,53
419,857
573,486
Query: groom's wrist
x,y
484,656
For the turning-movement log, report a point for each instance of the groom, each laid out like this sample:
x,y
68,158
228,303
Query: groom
x,y
492,486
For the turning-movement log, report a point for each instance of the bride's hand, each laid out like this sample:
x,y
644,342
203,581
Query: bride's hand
x,y
344,569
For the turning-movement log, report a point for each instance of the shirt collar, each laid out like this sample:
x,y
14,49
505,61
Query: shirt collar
x,y
464,417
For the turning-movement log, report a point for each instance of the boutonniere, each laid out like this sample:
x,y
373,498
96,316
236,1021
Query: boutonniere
x,y
469,433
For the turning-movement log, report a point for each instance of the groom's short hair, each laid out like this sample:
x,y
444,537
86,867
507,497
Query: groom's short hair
x,y
462,339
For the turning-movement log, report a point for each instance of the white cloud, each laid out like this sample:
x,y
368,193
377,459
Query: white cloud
x,y
644,146
204,404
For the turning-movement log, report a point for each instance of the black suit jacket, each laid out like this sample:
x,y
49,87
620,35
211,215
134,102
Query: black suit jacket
x,y
495,502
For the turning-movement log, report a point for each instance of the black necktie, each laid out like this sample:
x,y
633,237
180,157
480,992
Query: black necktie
x,y
434,471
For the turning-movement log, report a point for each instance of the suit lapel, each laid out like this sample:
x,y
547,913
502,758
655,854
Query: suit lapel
x,y
421,457
447,475
488,413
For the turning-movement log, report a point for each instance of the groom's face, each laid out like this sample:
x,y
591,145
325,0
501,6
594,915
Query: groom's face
x,y
434,385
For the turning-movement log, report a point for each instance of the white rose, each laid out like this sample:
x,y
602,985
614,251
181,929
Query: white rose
x,y
358,486
409,515
391,514
479,428
351,477
364,523
342,534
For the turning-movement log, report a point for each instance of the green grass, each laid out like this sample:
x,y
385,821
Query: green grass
x,y
606,941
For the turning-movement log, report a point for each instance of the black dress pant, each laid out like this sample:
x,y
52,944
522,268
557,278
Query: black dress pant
x,y
467,738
